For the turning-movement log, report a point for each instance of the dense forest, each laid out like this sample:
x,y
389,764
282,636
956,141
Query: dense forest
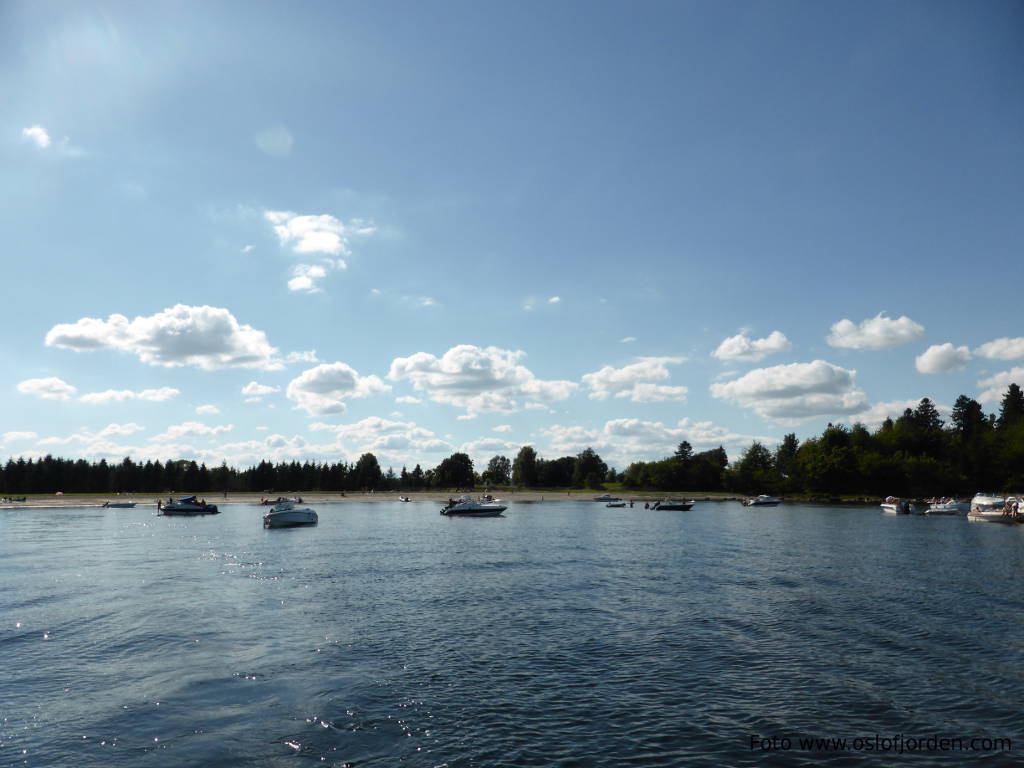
x,y
915,455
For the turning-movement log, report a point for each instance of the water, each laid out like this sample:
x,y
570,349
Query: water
x,y
564,634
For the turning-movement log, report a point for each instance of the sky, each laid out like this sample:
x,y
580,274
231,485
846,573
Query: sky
x,y
236,231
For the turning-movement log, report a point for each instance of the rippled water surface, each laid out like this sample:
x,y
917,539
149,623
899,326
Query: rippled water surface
x,y
564,634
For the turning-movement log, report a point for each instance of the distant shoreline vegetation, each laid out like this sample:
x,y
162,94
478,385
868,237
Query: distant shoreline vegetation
x,y
915,455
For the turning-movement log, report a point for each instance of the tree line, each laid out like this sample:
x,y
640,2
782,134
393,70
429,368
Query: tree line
x,y
916,454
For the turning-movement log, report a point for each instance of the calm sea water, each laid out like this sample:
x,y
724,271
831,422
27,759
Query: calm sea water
x,y
564,634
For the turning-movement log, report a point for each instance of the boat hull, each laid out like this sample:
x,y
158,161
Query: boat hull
x,y
210,509
489,512
292,519
674,506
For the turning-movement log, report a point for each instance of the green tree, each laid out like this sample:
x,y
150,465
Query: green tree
x,y
455,471
366,473
589,471
524,468
1011,410
499,471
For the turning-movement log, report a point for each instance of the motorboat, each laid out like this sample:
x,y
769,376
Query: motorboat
x,y
281,500
486,506
893,505
615,504
287,515
404,498
607,497
187,506
119,504
673,505
994,508
762,501
947,506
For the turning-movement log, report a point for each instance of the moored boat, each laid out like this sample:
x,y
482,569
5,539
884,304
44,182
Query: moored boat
x,y
994,508
762,501
894,505
464,506
674,505
947,506
119,504
187,506
287,515
607,497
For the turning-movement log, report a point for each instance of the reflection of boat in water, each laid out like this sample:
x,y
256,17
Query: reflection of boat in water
x,y
186,506
119,504
673,505
287,515
994,508
948,506
486,506
893,505
762,501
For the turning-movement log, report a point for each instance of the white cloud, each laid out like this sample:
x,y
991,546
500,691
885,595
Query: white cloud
x,y
408,400
635,381
796,392
321,390
481,380
997,384
306,277
275,141
742,347
119,430
204,337
12,437
207,410
315,234
309,356
503,428
893,409
940,358
248,248
396,440
121,395
554,300
50,388
628,340
37,135
255,391
191,429
879,332
1002,349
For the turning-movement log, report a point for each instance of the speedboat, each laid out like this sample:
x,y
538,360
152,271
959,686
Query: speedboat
x,y
467,507
893,505
947,506
119,504
994,508
281,500
673,505
188,506
615,504
287,515
607,497
762,501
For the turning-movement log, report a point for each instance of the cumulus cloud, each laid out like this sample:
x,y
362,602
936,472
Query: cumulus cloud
x,y
309,235
742,347
275,141
254,391
940,358
502,428
995,385
395,439
879,332
37,135
636,381
554,300
408,400
13,437
50,388
204,337
481,380
191,429
628,340
121,395
207,410
796,392
322,390
305,277
1002,349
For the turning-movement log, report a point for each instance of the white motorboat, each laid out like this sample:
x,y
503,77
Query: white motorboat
x,y
994,508
947,506
119,504
186,506
894,505
287,515
607,497
467,507
762,501
674,505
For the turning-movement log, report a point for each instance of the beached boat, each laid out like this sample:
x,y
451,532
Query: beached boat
x,y
187,506
994,508
893,505
287,515
673,505
464,506
947,507
607,497
762,501
119,504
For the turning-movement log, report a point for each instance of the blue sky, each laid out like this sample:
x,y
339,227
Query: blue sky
x,y
236,231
